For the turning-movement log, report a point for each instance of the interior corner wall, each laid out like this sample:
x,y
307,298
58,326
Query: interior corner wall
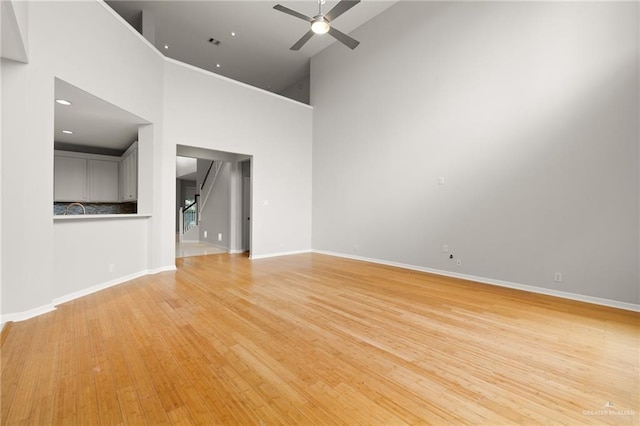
x,y
298,91
206,111
527,110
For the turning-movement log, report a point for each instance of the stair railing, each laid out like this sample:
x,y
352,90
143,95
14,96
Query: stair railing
x,y
189,215
216,171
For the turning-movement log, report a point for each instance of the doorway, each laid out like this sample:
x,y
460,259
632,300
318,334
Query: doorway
x,y
224,208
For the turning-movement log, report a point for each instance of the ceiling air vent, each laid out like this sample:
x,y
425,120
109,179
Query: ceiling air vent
x,y
214,41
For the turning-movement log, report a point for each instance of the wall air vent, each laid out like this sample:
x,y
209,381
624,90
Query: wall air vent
x,y
214,41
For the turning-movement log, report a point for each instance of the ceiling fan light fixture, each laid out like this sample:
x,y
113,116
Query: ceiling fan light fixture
x,y
321,23
320,26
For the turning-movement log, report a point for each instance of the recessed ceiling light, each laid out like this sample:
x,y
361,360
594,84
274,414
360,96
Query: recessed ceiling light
x,y
166,46
67,132
218,65
233,34
63,102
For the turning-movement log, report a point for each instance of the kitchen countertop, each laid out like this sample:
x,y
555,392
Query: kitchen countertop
x,y
99,216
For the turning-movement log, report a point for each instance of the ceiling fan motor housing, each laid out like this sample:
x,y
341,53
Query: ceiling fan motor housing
x,y
320,25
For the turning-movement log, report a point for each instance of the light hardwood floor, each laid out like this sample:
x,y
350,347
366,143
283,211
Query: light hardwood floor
x,y
316,340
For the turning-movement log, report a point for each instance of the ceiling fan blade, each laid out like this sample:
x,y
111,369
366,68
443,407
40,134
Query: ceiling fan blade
x,y
351,43
340,8
292,12
305,38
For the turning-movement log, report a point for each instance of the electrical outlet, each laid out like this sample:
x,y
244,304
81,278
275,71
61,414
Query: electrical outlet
x,y
205,234
355,248
445,248
557,277
219,237
458,262
440,180
112,267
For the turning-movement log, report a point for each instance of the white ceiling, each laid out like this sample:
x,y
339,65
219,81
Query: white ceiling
x,y
186,168
94,122
259,54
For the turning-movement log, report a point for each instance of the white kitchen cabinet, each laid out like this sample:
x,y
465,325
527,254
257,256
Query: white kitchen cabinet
x,y
129,174
70,179
103,181
81,177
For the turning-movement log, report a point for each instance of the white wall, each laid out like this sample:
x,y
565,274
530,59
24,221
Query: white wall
x,y
85,44
215,214
530,113
205,111
88,249
24,153
88,45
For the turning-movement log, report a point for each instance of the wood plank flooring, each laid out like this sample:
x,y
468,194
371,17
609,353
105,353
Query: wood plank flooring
x,y
317,340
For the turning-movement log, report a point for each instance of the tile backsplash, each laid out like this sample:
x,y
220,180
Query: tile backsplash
x,y
96,208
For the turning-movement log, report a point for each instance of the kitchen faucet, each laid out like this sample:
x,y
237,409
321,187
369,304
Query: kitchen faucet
x,y
74,204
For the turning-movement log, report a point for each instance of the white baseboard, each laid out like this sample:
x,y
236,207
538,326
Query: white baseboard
x,y
21,316
208,243
219,247
167,268
284,253
500,283
93,289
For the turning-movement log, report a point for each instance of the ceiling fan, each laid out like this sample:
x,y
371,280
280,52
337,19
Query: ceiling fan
x,y
321,24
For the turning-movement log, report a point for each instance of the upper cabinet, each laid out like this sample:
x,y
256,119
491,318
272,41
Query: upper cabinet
x,y
96,178
103,180
128,174
85,177
70,178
